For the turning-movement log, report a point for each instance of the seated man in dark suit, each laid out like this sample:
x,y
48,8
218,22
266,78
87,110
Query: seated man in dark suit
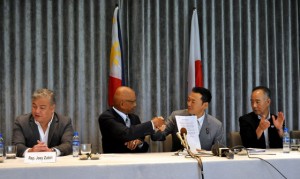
x,y
260,128
122,131
43,130
210,128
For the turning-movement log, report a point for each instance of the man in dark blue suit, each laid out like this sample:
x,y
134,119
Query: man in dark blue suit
x,y
260,128
122,131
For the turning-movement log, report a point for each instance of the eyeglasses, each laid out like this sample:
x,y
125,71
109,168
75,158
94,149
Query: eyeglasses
x,y
130,101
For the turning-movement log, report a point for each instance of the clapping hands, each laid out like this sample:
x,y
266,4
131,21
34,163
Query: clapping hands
x,y
264,124
278,123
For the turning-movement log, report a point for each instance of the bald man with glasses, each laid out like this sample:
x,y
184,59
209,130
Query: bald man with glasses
x,y
121,129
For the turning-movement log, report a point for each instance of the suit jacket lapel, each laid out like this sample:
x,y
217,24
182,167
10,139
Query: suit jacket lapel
x,y
204,129
34,129
52,129
118,117
132,119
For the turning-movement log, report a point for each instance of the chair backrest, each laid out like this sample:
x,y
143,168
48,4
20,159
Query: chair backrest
x,y
147,139
167,145
235,139
295,134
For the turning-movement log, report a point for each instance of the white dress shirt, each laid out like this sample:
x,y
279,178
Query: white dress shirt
x,y
44,135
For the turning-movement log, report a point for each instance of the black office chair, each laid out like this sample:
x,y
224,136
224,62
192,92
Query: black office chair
x,y
295,134
235,139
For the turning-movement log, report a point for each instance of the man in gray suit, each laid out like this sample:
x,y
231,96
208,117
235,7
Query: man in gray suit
x,y
43,130
211,130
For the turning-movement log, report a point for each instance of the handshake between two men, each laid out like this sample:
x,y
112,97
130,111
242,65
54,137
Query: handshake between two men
x,y
121,129
158,124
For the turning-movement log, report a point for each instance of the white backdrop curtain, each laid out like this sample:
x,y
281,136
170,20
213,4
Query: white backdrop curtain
x,y
64,45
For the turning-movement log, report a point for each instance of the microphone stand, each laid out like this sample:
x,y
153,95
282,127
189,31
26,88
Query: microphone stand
x,y
190,153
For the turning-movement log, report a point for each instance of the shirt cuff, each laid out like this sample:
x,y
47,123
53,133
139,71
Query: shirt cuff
x,y
141,145
58,153
153,127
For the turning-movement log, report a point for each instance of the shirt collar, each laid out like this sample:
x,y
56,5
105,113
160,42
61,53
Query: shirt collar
x,y
49,123
201,119
123,115
267,118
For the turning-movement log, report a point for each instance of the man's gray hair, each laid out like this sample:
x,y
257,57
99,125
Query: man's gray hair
x,y
45,93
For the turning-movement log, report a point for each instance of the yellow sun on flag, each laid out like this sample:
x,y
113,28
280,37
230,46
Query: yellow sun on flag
x,y
115,54
114,20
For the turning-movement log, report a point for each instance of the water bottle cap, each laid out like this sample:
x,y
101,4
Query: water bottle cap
x,y
75,133
286,129
0,135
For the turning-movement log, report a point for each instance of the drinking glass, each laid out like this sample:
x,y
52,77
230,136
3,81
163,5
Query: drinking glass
x,y
11,151
85,149
295,144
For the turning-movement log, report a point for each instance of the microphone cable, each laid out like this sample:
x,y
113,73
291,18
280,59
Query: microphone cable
x,y
183,132
198,158
267,163
251,157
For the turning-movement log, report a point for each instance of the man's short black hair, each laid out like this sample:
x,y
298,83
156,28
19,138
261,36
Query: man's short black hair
x,y
266,90
206,95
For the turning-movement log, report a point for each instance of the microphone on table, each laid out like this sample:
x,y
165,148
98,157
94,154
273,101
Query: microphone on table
x,y
183,132
182,137
229,154
181,140
221,151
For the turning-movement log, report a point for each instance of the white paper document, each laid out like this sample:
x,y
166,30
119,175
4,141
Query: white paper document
x,y
255,150
191,125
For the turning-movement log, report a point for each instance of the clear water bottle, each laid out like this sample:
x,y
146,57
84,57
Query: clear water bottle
x,y
75,144
286,141
1,146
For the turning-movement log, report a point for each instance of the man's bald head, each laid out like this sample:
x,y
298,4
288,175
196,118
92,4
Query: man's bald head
x,y
124,99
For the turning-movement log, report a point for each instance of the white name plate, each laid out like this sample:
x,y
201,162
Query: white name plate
x,y
40,157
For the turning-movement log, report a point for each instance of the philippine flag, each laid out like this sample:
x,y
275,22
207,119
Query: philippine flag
x,y
195,74
116,62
